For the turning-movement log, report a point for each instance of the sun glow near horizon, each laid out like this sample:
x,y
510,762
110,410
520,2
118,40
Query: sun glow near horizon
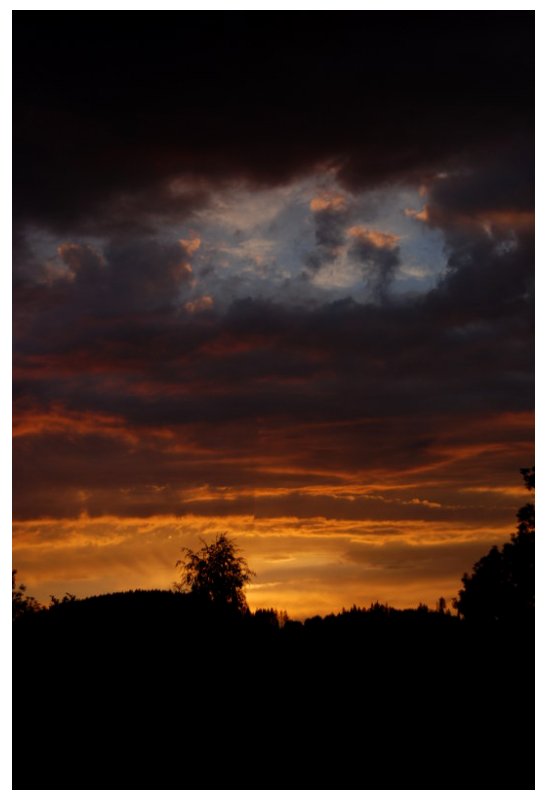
x,y
303,566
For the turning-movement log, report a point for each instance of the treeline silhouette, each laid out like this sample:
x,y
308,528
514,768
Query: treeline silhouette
x,y
171,689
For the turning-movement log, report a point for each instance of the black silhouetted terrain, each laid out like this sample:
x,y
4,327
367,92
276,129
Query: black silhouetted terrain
x,y
159,689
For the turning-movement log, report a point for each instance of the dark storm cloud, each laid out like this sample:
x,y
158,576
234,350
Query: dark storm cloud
x,y
466,344
143,393
119,388
147,274
379,257
138,211
488,282
142,480
330,218
329,228
129,274
500,180
225,96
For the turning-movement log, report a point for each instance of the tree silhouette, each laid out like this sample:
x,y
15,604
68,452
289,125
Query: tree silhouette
x,y
216,573
21,603
501,587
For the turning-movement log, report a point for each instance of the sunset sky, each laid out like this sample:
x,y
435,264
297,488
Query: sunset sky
x,y
273,276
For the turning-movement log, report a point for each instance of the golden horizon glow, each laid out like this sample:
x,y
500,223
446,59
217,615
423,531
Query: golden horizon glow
x,y
304,566
320,534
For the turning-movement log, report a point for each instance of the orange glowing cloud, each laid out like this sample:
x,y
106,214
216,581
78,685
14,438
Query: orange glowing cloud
x,y
508,220
191,246
380,239
59,420
80,423
204,303
507,491
184,268
328,201
513,220
76,255
350,492
423,215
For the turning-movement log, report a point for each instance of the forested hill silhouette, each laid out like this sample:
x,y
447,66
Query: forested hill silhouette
x,y
172,689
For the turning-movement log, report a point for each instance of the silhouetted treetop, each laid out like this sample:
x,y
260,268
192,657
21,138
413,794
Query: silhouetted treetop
x,y
216,573
529,477
21,603
501,587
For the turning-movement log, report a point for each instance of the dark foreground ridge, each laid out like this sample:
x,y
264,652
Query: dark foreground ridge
x,y
156,689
